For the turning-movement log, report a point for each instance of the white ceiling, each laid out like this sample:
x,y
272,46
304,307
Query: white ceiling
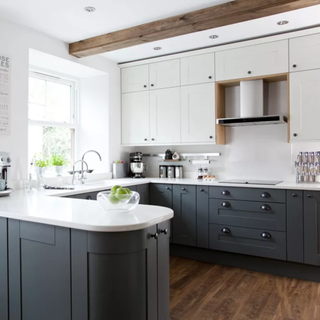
x,y
67,21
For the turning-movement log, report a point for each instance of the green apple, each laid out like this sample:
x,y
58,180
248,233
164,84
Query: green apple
x,y
127,190
113,198
115,188
122,194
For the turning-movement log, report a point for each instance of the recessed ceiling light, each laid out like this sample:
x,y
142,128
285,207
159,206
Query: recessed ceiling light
x,y
89,9
214,36
157,48
283,22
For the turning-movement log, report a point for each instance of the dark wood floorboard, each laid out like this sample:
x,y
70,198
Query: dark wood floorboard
x,y
204,291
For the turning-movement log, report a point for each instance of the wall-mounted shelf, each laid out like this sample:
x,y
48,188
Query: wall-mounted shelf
x,y
185,156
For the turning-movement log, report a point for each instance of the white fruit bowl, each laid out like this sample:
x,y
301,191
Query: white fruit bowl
x,y
110,203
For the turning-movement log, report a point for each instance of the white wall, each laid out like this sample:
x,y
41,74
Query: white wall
x,y
15,41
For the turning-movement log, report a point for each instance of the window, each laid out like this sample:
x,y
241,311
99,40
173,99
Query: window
x,y
52,116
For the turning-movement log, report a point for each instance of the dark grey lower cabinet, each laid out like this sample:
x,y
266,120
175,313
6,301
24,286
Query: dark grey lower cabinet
x,y
312,227
161,195
85,196
4,314
158,271
203,216
143,190
39,271
184,222
295,226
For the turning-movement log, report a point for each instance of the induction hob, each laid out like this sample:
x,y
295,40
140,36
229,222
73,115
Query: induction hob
x,y
241,181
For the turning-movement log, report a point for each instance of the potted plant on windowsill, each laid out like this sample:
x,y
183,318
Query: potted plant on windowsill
x,y
58,161
41,164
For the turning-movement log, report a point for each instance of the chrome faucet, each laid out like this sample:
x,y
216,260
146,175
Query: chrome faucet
x,y
73,171
94,151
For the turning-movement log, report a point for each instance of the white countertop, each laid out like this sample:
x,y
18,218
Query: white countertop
x,y
48,207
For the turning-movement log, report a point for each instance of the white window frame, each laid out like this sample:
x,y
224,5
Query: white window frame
x,y
74,111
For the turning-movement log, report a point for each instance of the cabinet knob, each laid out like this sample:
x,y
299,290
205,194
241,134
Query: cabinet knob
x,y
183,189
155,236
210,137
294,195
226,204
152,139
266,235
249,72
309,196
225,193
164,231
265,195
152,85
144,86
201,190
265,207
210,77
89,198
294,66
145,139
167,188
295,134
226,230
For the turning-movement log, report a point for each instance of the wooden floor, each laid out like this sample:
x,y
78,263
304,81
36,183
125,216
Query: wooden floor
x,y
203,291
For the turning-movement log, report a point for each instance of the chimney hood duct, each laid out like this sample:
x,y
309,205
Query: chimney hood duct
x,y
253,106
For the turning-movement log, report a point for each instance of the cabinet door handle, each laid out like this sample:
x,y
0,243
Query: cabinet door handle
x,y
152,139
152,85
167,188
294,66
310,196
155,236
164,231
226,204
295,134
144,86
210,137
89,198
265,207
294,195
265,195
145,139
249,72
266,235
225,193
210,77
183,189
201,190
226,230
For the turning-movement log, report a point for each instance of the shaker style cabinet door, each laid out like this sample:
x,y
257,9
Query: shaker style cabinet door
x,y
197,69
4,313
198,113
165,74
252,61
305,53
135,118
304,105
135,79
165,116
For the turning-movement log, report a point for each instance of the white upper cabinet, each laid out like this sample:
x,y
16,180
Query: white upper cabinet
x,y
164,74
135,118
165,116
135,79
197,69
198,113
305,53
305,105
256,60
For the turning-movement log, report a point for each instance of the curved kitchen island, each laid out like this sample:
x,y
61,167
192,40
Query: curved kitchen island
x,y
68,259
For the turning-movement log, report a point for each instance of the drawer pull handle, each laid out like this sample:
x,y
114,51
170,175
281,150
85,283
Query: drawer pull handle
x,y
164,231
183,189
226,204
155,236
265,207
266,235
310,196
225,193
89,198
167,188
294,195
265,195
226,230
201,190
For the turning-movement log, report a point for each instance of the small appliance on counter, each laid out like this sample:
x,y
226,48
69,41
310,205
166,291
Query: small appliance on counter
x,y
120,169
4,166
137,167
308,167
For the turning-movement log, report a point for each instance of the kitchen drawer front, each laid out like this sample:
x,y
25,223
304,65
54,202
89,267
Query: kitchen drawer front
x,y
249,214
248,194
86,196
249,241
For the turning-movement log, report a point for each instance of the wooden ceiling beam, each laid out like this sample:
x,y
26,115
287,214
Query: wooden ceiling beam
x,y
200,20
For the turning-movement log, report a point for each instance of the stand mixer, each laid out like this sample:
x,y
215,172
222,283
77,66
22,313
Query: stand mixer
x,y
137,167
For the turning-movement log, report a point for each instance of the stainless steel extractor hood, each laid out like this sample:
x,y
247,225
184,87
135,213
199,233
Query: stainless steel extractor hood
x,y
253,107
